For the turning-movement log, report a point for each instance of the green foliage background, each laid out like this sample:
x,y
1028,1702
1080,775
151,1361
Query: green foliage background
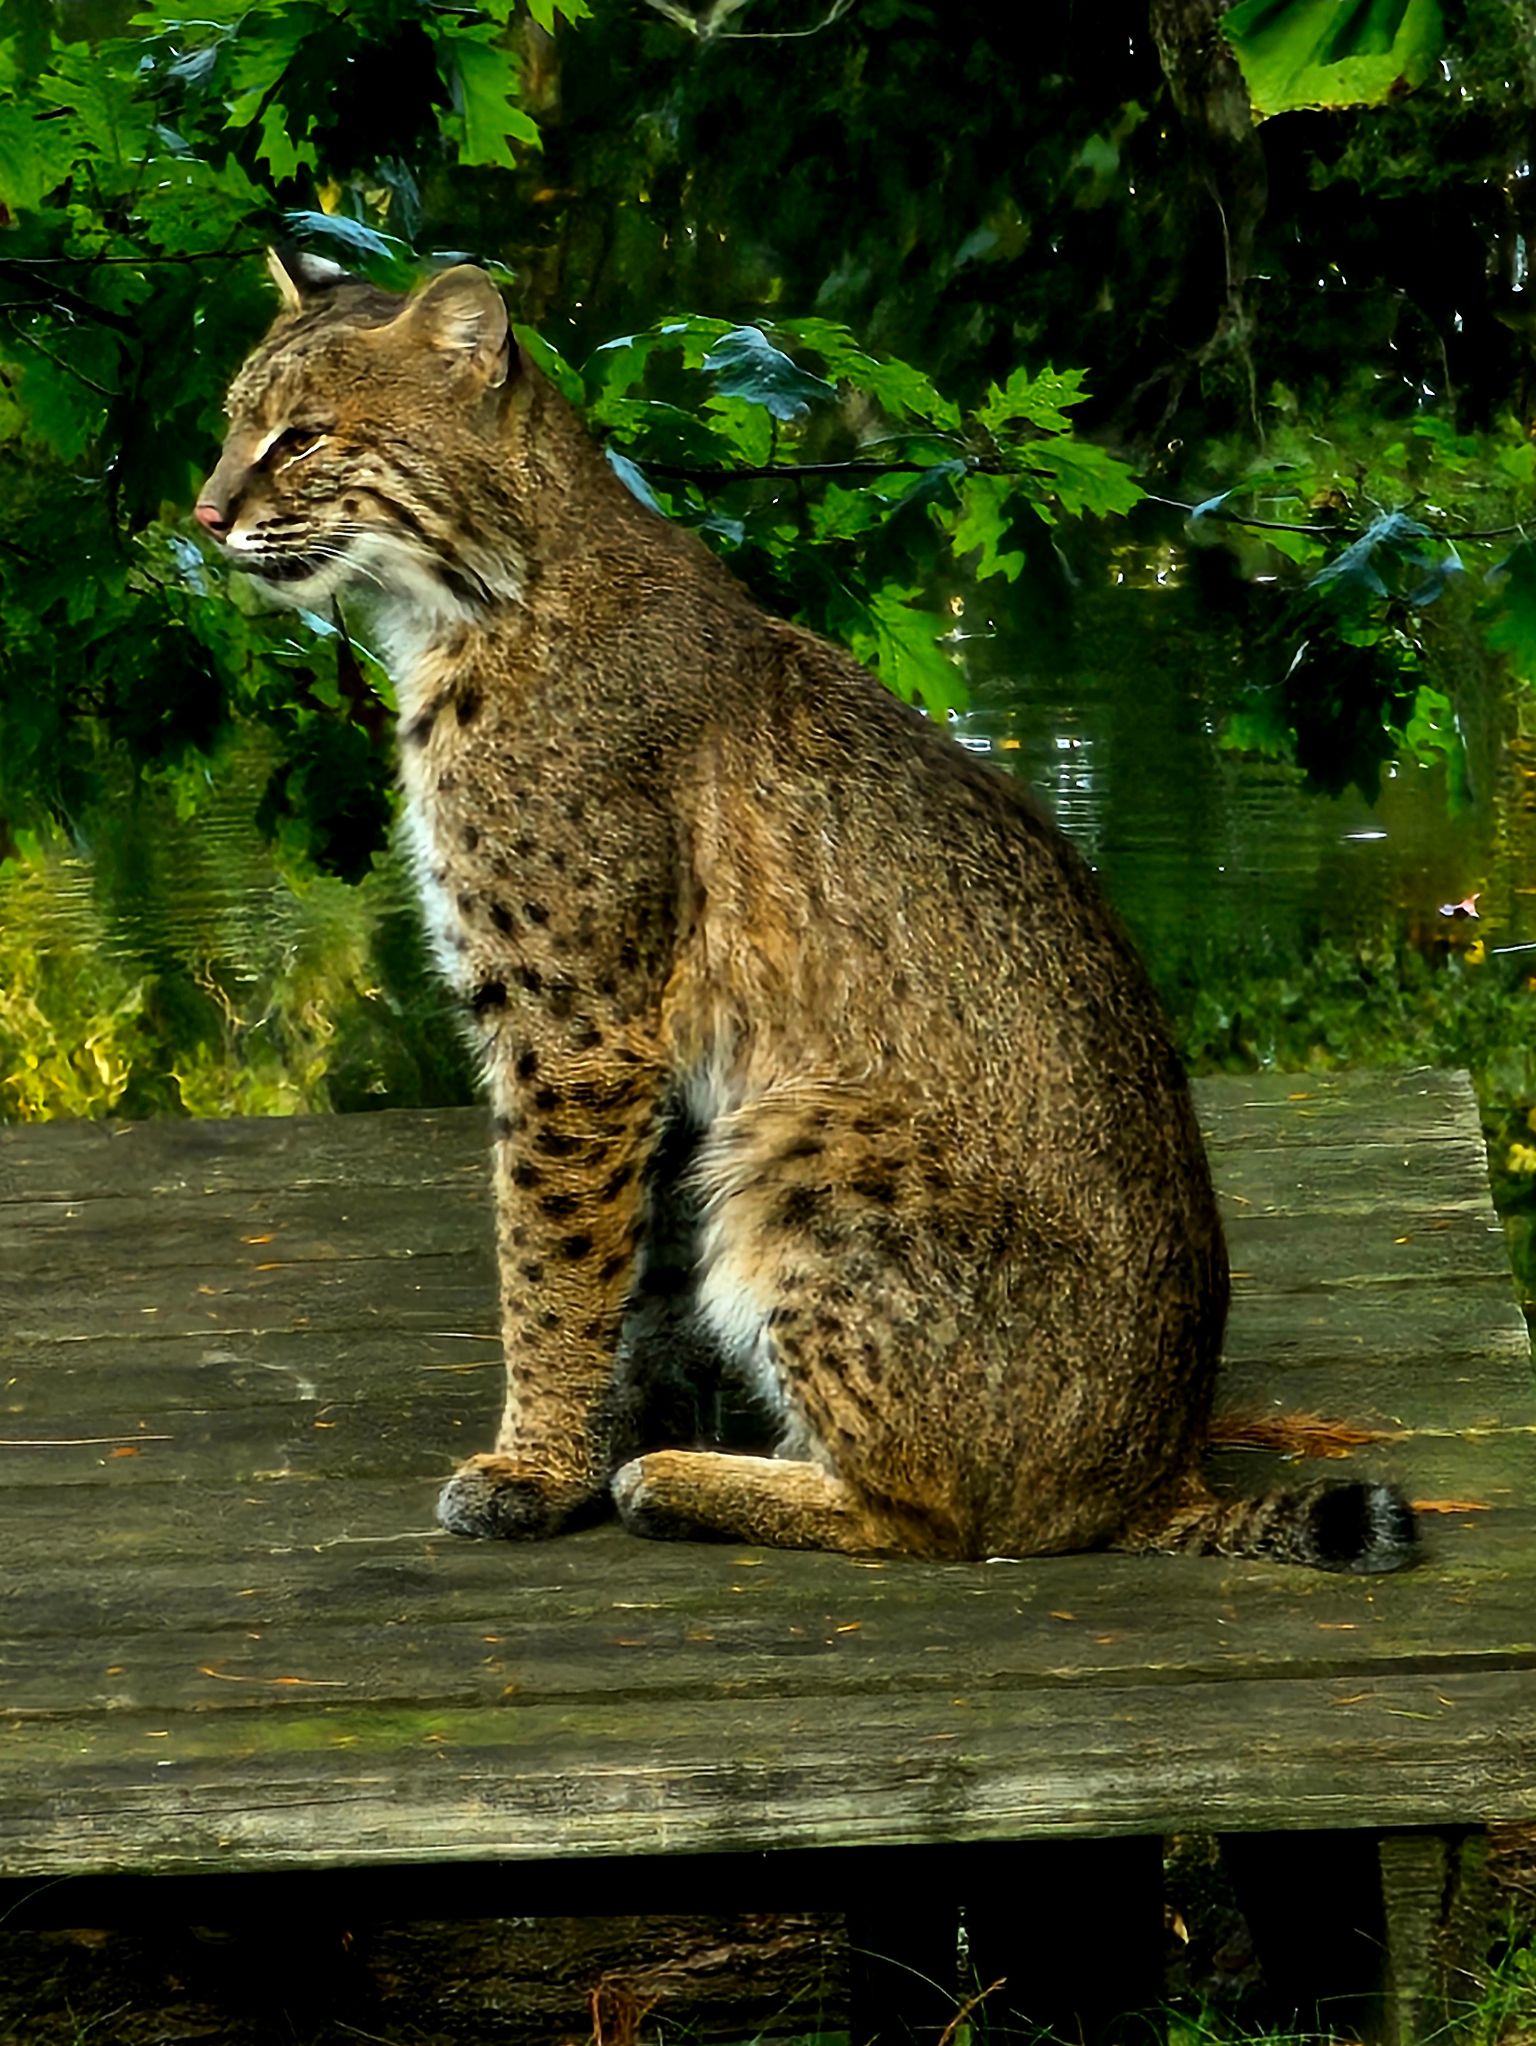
x,y
891,317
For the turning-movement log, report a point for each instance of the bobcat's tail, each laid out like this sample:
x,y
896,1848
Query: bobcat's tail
x,y
1364,1527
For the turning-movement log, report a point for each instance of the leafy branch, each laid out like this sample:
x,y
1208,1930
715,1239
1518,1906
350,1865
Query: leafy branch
x,y
1222,515
767,472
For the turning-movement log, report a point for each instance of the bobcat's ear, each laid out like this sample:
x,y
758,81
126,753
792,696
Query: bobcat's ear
x,y
301,278
461,313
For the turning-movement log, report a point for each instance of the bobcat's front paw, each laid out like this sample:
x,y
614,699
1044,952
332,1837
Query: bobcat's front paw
x,y
496,1495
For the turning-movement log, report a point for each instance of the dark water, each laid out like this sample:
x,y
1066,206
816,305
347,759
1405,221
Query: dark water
x,y
1205,848
1195,842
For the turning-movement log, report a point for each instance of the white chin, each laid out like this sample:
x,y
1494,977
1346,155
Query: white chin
x,y
304,592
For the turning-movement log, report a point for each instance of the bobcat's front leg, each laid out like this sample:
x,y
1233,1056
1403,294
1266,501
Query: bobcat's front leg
x,y
572,1136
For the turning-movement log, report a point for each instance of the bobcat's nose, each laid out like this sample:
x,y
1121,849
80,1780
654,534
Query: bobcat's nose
x,y
213,516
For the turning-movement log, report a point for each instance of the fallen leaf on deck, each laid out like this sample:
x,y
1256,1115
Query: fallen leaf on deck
x,y
1296,1434
308,1683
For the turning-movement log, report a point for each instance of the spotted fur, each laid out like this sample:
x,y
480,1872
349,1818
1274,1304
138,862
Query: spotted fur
x,y
815,1056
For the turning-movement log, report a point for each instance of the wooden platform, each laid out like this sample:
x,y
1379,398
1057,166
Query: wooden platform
x,y
240,1357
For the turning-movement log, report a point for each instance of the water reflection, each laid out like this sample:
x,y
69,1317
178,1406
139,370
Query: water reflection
x,y
1190,836
1222,863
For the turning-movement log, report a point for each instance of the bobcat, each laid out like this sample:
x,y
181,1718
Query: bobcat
x,y
811,1044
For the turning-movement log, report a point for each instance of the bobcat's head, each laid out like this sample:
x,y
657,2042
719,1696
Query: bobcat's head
x,y
367,445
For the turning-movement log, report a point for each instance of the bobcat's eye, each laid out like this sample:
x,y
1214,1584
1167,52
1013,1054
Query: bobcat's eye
x,y
294,441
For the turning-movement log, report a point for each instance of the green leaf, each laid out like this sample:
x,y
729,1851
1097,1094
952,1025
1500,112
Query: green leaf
x,y
285,147
547,358
1332,53
616,366
743,430
1511,627
1354,574
263,52
1300,548
694,333
900,391
1262,728
486,121
843,514
1518,463
1430,727
747,365
544,12
108,118
1038,401
189,205
59,405
986,520
26,34
652,431
899,643
349,238
1082,477
633,480
35,157
932,484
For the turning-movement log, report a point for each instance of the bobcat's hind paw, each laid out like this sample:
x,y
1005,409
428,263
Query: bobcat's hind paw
x,y
647,1505
497,1496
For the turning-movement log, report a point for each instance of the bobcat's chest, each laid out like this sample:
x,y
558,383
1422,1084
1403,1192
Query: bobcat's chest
x,y
451,823
539,890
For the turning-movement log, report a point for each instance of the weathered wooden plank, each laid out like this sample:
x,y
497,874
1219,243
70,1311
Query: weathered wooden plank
x,y
366,1785
1402,1330
1407,1178
64,1408
408,1293
211,1282
417,1443
192,1368
1317,1109
414,1614
79,1160
310,1323
72,1161
259,1401
1433,1233
248,1230
1439,1924
1297,1253
416,1425
1470,1390
1396,1329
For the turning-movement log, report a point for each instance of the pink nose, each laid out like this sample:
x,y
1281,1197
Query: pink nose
x,y
209,515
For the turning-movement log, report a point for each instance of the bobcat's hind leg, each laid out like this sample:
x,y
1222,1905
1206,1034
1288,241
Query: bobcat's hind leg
x,y
705,1495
